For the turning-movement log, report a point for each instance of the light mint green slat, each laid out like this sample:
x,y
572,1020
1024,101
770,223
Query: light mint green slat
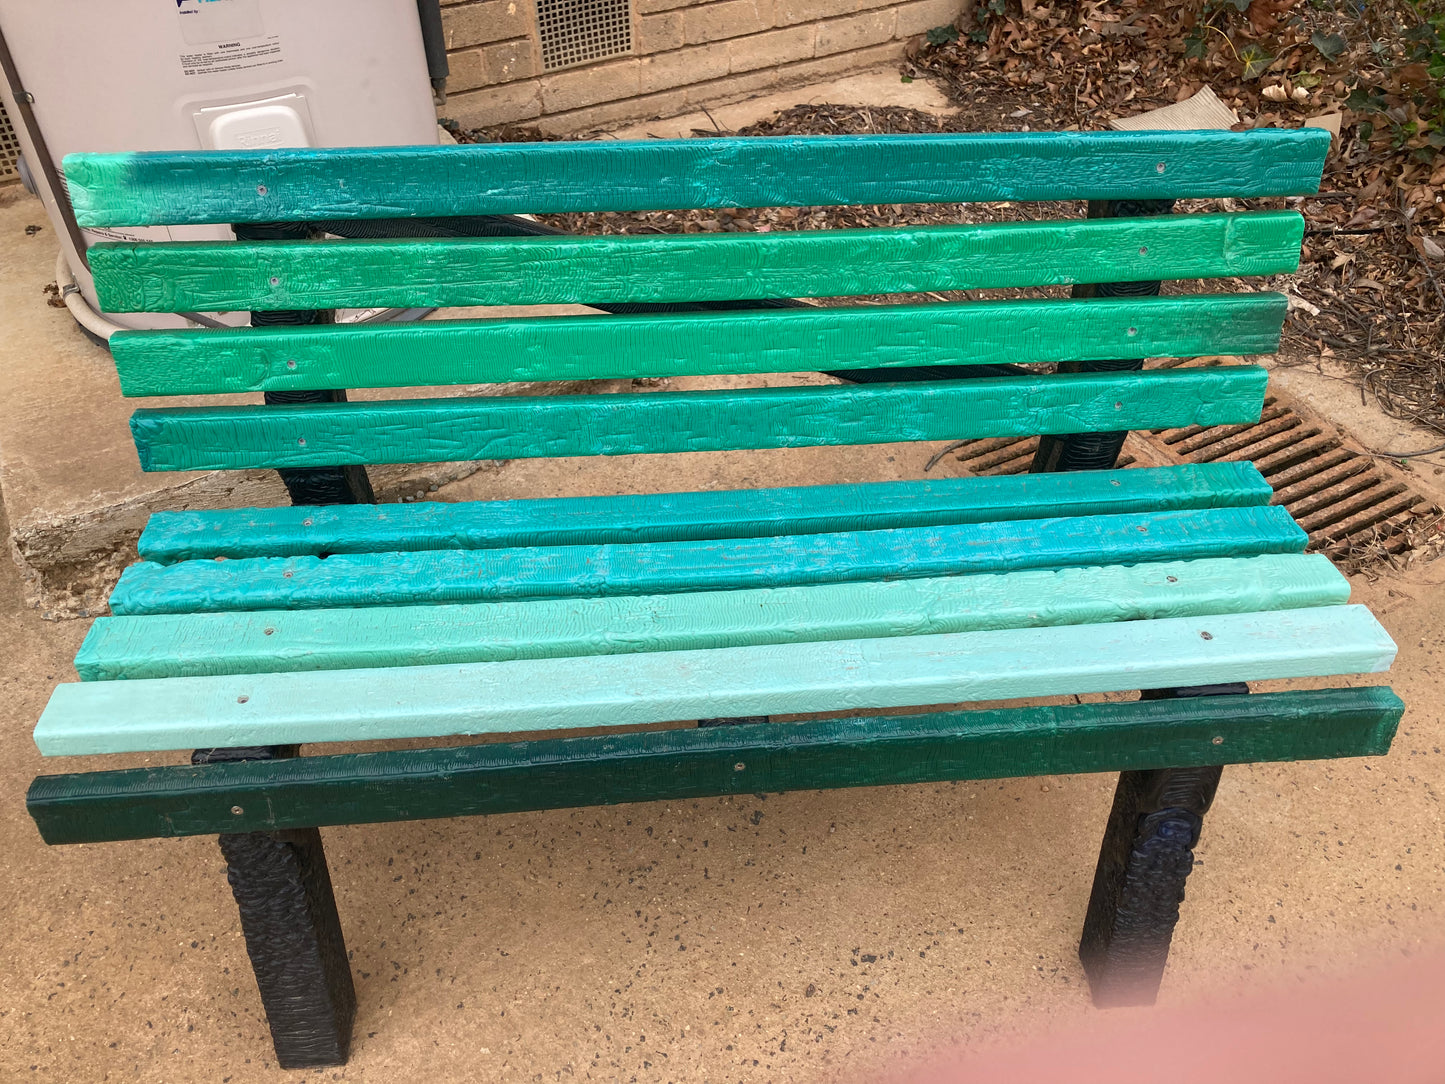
x,y
783,679
389,355
274,641
435,576
502,427
307,185
287,531
203,275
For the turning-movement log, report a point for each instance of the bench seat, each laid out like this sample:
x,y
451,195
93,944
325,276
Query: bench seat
x,y
511,617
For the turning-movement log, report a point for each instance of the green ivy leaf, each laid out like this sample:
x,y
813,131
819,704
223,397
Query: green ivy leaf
x,y
1330,46
942,35
1195,46
1308,80
1255,60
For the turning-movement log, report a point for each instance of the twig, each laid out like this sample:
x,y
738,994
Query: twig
x,y
955,446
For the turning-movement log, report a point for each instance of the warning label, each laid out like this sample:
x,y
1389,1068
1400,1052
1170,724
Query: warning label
x,y
233,56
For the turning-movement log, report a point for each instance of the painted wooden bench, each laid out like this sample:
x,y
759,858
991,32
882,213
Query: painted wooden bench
x,y
246,633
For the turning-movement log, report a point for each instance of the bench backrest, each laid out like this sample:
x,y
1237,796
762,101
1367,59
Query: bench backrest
x,y
331,186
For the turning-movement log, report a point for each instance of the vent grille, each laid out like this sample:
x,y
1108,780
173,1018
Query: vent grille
x,y
9,149
580,31
1354,509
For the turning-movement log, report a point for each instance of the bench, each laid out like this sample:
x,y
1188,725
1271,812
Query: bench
x,y
826,636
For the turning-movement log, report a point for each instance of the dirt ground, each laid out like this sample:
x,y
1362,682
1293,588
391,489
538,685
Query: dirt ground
x,y
802,937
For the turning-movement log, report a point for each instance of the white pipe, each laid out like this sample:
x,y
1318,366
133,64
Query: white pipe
x,y
74,300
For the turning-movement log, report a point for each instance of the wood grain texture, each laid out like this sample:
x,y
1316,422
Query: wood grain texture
x,y
390,355
203,276
433,576
272,641
502,178
518,427
511,777
781,679
677,517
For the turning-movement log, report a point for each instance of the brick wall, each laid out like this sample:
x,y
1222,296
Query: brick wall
x,y
685,54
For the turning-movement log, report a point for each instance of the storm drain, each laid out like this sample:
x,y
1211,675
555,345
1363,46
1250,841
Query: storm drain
x,y
1354,509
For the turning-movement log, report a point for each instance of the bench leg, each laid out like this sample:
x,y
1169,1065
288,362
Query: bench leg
x,y
1147,855
293,936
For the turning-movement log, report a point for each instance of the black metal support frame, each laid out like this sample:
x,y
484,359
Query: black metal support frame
x,y
1148,848
1145,859
280,879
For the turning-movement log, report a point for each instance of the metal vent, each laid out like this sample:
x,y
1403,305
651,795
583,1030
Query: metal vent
x,y
581,31
9,149
1354,509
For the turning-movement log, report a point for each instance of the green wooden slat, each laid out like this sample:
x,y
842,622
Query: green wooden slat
x,y
388,355
776,679
433,576
307,185
674,517
512,777
205,275
505,427
273,641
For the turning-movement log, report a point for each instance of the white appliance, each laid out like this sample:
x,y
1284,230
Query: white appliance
x,y
133,75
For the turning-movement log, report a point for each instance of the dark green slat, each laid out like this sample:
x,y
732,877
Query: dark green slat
x,y
288,531
308,185
198,362
449,430
204,276
512,777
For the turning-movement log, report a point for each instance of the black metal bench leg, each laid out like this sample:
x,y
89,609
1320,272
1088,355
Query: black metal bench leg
x,y
293,936
1147,855
292,930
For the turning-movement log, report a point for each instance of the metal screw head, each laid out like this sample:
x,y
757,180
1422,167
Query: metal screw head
x,y
1143,251
1133,331
1217,739
261,188
243,698
301,440
1206,636
277,282
1172,579
1159,168
268,632
291,363
739,766
237,810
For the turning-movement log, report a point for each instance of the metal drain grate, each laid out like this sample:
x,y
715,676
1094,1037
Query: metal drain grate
x,y
9,149
1354,510
580,31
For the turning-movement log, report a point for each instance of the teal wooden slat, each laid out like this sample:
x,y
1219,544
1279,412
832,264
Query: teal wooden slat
x,y
432,576
503,427
510,777
203,275
288,531
272,641
307,185
389,355
783,679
